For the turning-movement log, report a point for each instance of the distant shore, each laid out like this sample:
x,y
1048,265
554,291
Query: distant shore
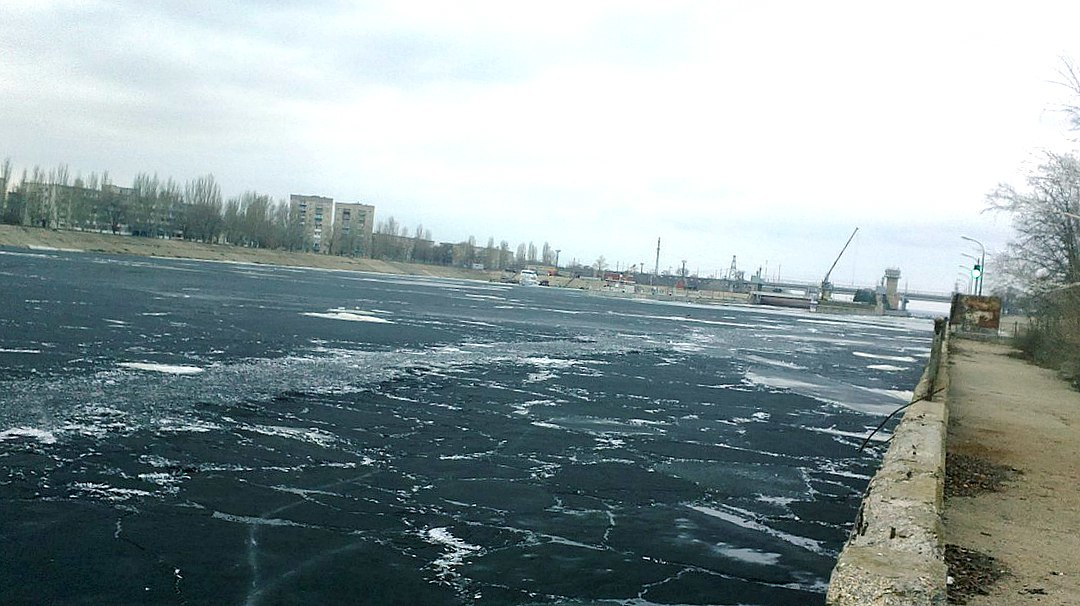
x,y
39,238
17,236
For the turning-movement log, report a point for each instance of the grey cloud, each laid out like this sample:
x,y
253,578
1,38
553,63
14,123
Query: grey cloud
x,y
335,51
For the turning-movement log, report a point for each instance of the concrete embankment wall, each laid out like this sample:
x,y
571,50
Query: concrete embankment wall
x,y
895,554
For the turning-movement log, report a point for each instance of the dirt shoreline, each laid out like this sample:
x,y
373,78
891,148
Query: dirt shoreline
x,y
1012,419
35,237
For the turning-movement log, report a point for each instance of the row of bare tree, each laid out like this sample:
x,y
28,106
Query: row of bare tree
x,y
196,210
394,241
151,207
1042,262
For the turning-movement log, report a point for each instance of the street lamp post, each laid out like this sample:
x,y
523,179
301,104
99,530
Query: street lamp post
x,y
970,281
982,263
975,263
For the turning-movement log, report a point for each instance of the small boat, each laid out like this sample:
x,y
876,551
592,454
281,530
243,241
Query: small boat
x,y
782,299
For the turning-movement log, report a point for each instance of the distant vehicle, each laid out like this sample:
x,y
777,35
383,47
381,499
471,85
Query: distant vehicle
x,y
528,277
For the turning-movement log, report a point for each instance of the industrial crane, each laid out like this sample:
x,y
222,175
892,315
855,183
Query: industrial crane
x,y
826,286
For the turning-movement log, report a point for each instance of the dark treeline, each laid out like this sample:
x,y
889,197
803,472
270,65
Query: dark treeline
x,y
195,210
393,241
150,207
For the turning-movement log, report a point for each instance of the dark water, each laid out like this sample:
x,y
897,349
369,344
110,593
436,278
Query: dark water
x,y
177,432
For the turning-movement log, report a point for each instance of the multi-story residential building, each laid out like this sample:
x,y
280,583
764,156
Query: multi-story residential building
x,y
328,227
62,206
316,213
352,228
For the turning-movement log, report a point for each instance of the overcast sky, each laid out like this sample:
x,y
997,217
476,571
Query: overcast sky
x,y
766,130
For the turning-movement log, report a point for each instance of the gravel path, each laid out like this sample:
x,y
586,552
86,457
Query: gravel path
x,y
1012,505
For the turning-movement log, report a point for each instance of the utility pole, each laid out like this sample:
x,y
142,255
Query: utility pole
x,y
656,268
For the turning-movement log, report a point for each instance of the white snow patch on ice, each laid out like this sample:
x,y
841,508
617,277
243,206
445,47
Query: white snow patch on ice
x,y
877,437
254,520
783,501
171,425
312,435
54,248
456,551
863,354
897,394
772,362
744,521
540,377
685,319
780,382
172,369
109,493
758,417
45,437
170,482
863,399
348,315
886,367
746,554
551,362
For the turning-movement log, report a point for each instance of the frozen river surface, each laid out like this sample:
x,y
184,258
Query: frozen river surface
x,y
180,432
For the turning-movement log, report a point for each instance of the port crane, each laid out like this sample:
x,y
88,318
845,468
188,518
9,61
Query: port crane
x,y
826,286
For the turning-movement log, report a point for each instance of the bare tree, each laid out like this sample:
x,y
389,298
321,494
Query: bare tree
x,y
1045,220
173,215
10,209
1043,259
491,254
5,175
202,196
469,254
506,259
143,218
83,202
258,224
114,205
35,193
391,241
422,248
1070,79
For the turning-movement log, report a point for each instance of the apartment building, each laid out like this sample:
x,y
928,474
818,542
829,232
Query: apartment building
x,y
339,228
352,229
62,206
316,214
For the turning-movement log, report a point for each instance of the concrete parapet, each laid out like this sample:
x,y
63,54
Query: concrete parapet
x,y
895,554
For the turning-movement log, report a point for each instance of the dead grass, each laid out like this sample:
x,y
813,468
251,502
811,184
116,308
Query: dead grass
x,y
33,237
